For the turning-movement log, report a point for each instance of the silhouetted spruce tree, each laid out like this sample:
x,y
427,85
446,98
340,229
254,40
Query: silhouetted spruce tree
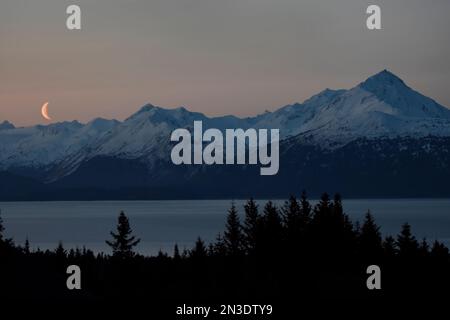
x,y
357,228
389,247
176,253
185,254
320,228
333,236
123,242
344,235
406,242
424,248
370,241
60,252
88,254
199,251
5,241
6,245
272,229
251,226
211,250
2,228
71,254
220,249
304,239
26,248
439,252
162,255
305,210
292,220
77,253
233,237
322,213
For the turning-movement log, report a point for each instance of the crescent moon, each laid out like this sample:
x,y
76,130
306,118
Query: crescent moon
x,y
44,112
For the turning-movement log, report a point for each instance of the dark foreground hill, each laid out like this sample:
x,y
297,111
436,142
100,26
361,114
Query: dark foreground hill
x,y
291,257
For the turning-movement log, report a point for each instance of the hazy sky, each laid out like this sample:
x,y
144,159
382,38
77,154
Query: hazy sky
x,y
213,56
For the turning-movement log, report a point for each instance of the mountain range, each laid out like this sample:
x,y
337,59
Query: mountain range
x,y
378,139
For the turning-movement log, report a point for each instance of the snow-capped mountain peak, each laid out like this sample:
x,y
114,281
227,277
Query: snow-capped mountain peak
x,y
383,78
142,112
382,106
5,125
390,89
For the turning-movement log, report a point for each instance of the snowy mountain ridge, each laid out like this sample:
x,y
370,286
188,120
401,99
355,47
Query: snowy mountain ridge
x,y
382,106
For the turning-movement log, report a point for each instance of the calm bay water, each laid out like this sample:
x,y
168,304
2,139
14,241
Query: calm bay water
x,y
161,224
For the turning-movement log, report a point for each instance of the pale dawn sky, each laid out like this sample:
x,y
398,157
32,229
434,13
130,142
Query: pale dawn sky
x,y
213,56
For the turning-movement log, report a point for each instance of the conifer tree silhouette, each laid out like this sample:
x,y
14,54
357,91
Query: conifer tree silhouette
x,y
332,230
60,252
370,241
321,227
199,251
5,241
389,247
342,219
162,254
272,229
26,248
424,248
123,242
406,242
345,236
6,245
305,209
292,218
322,212
2,228
439,252
251,226
185,253
211,250
176,253
219,246
233,237
77,253
304,238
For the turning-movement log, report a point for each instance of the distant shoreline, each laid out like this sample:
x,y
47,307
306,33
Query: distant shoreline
x,y
222,199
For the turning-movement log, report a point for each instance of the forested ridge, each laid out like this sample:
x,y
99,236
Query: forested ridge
x,y
272,254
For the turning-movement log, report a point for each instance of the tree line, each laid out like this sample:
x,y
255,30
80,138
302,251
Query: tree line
x,y
315,250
